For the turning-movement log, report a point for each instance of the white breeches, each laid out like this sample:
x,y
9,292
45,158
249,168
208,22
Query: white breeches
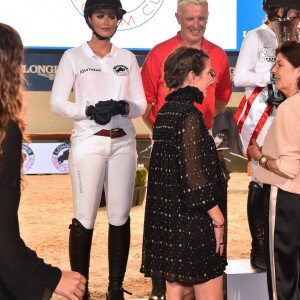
x,y
99,161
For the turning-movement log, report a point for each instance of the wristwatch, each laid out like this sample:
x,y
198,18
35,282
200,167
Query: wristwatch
x,y
263,161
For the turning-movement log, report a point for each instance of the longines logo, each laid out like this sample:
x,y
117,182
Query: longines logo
x,y
28,157
60,157
138,11
47,71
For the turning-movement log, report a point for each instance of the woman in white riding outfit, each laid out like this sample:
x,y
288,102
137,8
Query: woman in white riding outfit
x,y
108,94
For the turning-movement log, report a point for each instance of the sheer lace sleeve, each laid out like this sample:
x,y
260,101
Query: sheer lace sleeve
x,y
203,183
191,139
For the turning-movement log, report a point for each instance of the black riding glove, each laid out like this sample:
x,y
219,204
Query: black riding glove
x,y
275,97
113,108
97,115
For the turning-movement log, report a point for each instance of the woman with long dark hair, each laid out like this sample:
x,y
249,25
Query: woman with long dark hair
x,y
23,275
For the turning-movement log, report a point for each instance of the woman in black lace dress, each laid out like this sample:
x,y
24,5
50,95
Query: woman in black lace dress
x,y
186,200
23,275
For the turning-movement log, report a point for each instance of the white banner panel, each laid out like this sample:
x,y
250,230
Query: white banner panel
x,y
60,23
46,158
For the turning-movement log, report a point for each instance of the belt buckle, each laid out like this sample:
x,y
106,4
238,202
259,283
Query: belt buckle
x,y
112,131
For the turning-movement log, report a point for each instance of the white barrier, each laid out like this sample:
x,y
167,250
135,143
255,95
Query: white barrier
x,y
46,158
244,282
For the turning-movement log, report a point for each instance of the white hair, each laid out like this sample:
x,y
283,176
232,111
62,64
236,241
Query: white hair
x,y
184,2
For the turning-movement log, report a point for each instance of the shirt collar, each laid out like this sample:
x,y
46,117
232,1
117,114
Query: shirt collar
x,y
89,52
180,42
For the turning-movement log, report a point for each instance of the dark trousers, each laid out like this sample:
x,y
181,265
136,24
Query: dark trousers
x,y
286,265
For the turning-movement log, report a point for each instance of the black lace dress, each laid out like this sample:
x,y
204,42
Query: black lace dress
x,y
23,276
185,181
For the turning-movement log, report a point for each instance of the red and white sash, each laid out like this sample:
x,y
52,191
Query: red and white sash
x,y
251,116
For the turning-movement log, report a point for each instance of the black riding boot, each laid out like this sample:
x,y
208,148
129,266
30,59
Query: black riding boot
x,y
158,289
255,209
118,250
80,242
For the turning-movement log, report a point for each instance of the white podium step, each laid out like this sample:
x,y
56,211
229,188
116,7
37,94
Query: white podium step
x,y
243,282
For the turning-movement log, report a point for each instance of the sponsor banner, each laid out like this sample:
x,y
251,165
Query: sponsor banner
x,y
40,68
46,158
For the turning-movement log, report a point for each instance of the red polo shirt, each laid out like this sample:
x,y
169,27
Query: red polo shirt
x,y
155,90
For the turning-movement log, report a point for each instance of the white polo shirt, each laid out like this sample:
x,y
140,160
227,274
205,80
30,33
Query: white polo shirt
x,y
115,76
255,60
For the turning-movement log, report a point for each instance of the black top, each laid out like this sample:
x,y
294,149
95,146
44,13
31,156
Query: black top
x,y
185,181
23,276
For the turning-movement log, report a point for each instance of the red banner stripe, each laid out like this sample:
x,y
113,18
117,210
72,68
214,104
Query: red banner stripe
x,y
250,100
267,112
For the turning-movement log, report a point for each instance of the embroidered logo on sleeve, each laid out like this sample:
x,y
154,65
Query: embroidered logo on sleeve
x,y
268,54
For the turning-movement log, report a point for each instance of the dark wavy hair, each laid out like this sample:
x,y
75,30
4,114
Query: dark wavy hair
x,y
12,106
291,52
271,12
180,63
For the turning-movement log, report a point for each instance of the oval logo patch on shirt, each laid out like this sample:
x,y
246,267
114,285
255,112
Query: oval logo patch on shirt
x,y
121,70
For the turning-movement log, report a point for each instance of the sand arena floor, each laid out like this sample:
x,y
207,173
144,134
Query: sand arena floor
x,y
46,210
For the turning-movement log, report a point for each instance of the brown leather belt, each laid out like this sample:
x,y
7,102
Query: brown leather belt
x,y
113,133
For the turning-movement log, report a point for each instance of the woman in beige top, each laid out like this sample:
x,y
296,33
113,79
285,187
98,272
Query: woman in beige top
x,y
279,168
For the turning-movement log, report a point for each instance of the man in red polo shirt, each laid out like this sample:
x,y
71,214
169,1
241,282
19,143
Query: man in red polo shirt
x,y
192,16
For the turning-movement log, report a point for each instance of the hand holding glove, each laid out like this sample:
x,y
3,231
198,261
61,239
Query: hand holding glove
x,y
94,113
113,108
102,112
